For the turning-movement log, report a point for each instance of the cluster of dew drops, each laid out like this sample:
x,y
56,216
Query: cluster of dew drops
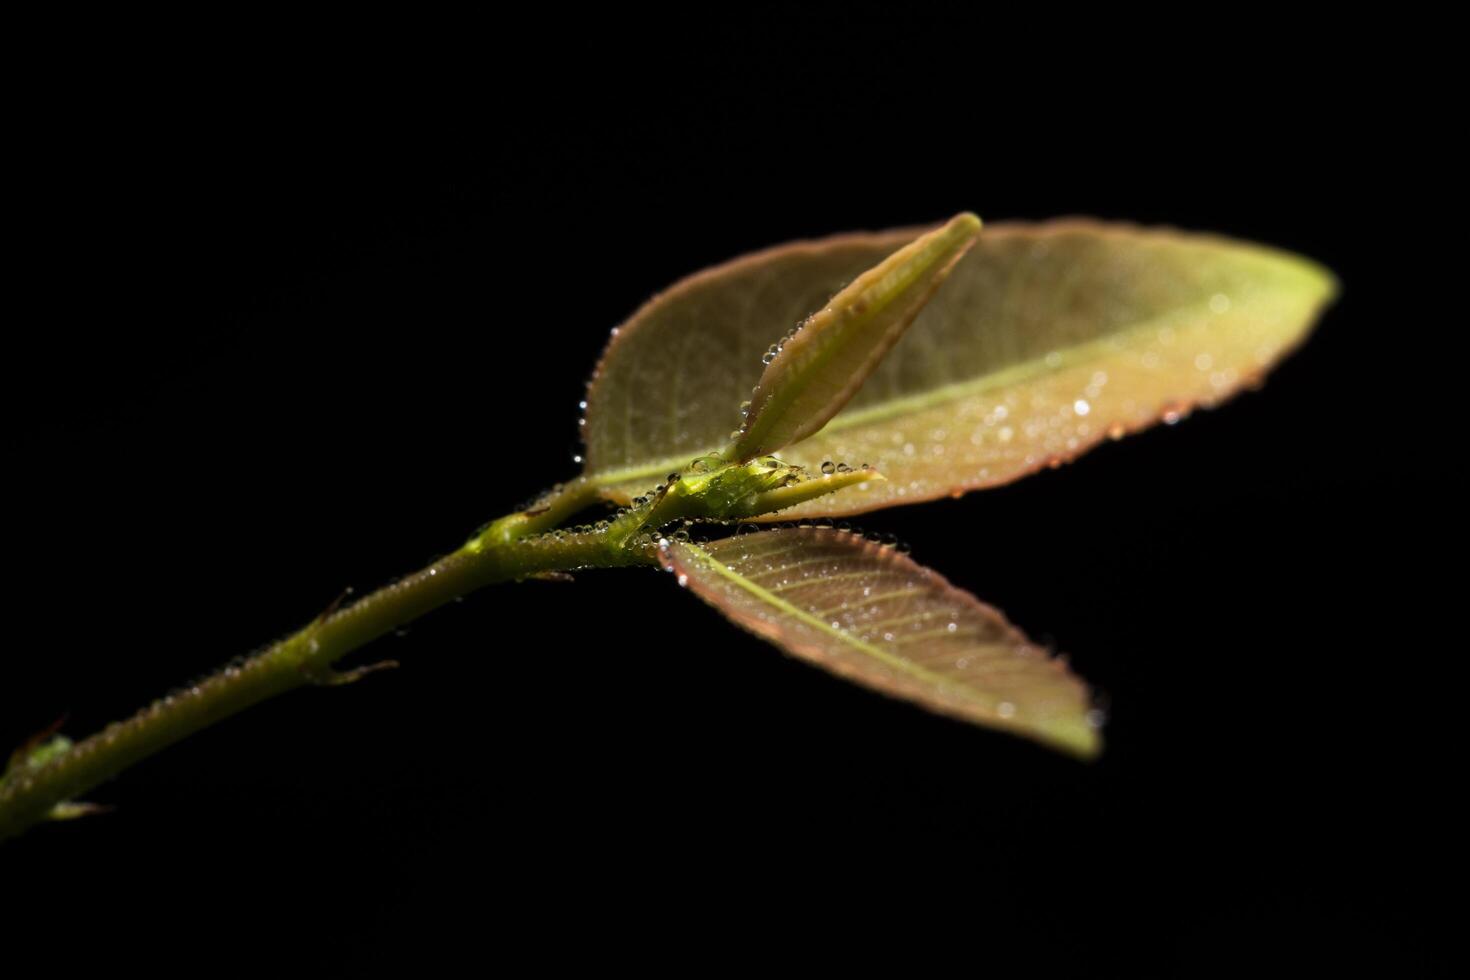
x,y
772,352
655,538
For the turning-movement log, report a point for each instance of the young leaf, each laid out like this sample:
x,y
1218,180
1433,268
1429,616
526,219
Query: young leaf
x,y
734,491
1045,340
867,613
816,370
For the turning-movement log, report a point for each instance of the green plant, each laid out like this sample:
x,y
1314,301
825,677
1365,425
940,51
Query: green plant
x,y
952,360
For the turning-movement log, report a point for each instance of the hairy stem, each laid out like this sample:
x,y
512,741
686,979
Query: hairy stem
x,y
512,547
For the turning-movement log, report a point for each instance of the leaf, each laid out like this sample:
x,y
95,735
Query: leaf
x,y
865,612
821,364
1045,340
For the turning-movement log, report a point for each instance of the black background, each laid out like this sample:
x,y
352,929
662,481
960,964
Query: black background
x,y
270,342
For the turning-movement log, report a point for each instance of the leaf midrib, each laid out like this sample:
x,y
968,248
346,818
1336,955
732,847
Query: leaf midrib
x,y
1015,374
796,612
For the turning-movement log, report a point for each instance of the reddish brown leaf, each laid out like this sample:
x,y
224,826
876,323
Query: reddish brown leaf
x,y
870,614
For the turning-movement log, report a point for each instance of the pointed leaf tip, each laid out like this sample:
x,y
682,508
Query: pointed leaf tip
x,y
815,371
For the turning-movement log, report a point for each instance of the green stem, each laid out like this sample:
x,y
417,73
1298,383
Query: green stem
x,y
510,548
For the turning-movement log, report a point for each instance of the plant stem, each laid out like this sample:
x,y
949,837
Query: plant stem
x,y
510,548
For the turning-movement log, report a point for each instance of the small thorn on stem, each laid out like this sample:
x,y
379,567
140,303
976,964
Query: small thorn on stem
x,y
71,810
333,606
336,678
